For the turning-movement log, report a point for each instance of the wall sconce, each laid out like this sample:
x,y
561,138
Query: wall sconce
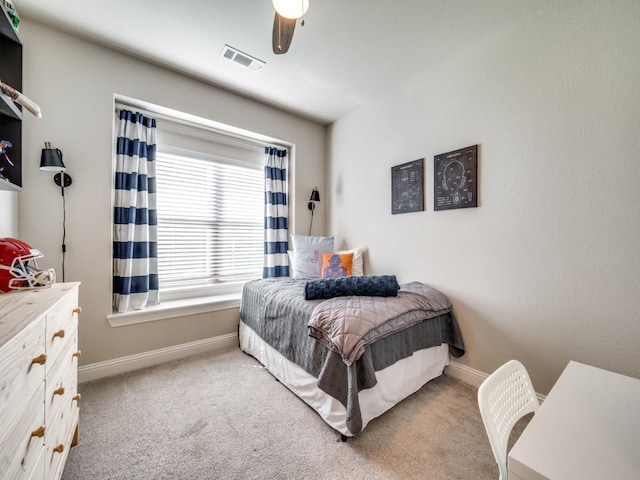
x,y
315,197
51,161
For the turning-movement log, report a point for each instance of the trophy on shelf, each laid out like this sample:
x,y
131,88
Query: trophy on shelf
x,y
4,145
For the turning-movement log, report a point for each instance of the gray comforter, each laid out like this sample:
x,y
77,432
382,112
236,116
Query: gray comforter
x,y
275,309
347,325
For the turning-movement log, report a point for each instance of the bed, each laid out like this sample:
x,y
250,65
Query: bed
x,y
348,388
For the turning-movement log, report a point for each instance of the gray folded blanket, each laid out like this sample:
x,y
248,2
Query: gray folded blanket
x,y
347,325
366,285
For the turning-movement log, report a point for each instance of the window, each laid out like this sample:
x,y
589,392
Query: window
x,y
210,222
210,208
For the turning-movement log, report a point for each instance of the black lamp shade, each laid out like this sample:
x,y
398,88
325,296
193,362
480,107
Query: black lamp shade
x,y
51,160
315,197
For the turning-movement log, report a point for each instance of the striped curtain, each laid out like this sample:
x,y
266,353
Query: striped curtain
x,y
276,263
135,257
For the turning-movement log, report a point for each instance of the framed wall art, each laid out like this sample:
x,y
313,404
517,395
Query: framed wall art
x,y
407,187
455,179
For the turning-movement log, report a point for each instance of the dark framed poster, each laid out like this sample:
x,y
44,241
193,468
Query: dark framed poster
x,y
407,187
455,177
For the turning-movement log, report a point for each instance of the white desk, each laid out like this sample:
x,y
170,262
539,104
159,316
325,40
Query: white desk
x,y
588,428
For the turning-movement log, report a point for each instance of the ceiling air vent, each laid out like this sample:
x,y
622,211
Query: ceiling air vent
x,y
241,58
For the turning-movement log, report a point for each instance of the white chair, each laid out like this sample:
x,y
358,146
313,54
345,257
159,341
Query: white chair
x,y
505,397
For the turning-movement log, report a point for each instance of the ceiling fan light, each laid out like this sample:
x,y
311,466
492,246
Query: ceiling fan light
x,y
291,8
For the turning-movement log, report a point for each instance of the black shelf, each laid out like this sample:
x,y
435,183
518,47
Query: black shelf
x,y
8,107
10,112
7,30
6,185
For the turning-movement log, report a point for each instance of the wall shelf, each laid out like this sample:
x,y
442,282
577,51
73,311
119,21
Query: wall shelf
x,y
6,28
10,112
6,185
9,108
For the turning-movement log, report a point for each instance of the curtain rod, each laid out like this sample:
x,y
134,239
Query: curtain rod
x,y
197,127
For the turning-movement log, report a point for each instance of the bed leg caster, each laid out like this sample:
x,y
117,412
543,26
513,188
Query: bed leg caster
x,y
343,438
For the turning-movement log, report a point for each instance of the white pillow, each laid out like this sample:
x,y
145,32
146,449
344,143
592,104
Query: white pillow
x,y
290,255
357,267
307,255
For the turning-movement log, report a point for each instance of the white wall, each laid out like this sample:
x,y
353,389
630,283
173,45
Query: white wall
x,y
9,215
547,269
74,83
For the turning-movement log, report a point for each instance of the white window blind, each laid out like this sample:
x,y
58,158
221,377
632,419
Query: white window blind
x,y
210,220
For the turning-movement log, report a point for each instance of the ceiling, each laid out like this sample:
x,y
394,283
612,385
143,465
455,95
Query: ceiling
x,y
348,53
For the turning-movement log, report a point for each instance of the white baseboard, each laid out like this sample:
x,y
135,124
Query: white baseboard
x,y
129,363
467,374
472,376
95,371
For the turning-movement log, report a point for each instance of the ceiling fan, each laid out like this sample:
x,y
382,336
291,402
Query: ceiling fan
x,y
284,22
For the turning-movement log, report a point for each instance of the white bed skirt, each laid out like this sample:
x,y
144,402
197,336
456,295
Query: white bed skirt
x,y
395,382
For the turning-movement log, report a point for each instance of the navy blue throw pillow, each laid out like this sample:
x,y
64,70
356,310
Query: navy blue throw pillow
x,y
366,285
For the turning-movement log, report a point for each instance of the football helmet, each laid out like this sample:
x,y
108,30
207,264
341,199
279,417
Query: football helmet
x,y
18,267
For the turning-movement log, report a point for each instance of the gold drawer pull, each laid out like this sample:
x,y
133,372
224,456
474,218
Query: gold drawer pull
x,y
38,433
58,448
77,310
59,334
40,359
58,391
76,397
77,354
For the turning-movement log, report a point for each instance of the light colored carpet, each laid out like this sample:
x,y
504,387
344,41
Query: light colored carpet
x,y
221,415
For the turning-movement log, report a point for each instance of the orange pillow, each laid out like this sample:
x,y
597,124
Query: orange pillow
x,y
336,265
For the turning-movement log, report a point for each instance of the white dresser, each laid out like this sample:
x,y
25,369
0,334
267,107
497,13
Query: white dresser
x,y
38,381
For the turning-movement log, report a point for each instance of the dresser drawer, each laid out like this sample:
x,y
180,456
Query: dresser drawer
x,y
62,382
38,469
62,319
59,437
24,444
61,405
20,376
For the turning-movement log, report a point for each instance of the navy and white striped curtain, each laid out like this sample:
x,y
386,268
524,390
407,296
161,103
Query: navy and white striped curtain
x,y
135,253
276,263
